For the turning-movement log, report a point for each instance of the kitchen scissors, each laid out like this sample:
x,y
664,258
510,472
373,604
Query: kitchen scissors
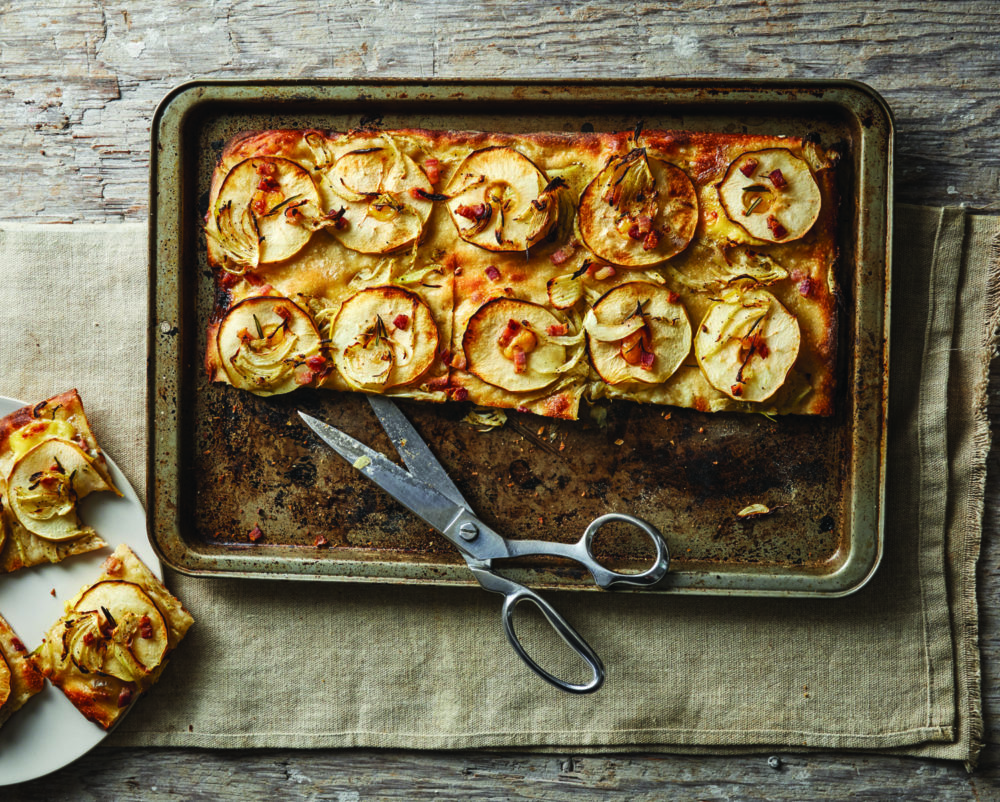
x,y
427,490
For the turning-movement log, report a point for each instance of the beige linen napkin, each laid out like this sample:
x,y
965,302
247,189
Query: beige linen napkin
x,y
295,664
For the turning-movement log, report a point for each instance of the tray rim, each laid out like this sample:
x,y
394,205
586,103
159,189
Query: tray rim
x,y
166,140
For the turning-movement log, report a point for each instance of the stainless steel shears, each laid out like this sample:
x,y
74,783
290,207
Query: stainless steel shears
x,y
428,491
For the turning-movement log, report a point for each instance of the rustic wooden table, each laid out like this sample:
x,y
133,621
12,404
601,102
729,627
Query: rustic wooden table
x,y
79,80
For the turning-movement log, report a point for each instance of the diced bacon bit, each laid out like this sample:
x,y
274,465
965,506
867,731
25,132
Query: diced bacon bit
x,y
125,697
317,362
672,296
736,390
303,375
748,167
459,394
337,218
557,329
252,279
268,184
479,211
282,311
520,361
319,541
113,566
651,241
641,227
145,628
459,361
602,272
507,335
522,408
259,204
401,322
265,168
493,273
89,638
762,350
711,217
432,167
777,229
646,359
564,254
255,534
798,274
438,383
445,354
807,287
777,179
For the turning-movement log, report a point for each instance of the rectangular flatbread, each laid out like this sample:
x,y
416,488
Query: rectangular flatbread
x,y
528,271
49,460
113,641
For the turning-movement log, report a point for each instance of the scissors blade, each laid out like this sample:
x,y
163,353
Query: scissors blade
x,y
413,449
423,500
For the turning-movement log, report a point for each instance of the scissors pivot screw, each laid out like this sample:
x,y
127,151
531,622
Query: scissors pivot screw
x,y
468,531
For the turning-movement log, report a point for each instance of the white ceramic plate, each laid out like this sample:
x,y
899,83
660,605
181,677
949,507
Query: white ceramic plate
x,y
48,732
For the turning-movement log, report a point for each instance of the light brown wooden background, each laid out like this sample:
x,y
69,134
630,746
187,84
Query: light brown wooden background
x,y
79,80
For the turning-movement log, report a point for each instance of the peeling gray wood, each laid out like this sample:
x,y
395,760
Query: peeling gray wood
x,y
80,79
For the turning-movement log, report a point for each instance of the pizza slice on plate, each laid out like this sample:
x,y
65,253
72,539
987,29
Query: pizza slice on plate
x,y
112,643
19,679
49,460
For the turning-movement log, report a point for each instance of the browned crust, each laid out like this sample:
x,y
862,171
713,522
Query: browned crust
x,y
703,156
25,679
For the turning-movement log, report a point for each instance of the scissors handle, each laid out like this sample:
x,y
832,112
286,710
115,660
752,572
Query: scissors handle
x,y
514,594
582,552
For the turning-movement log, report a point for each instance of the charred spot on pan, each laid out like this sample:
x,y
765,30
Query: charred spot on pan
x,y
587,128
520,473
302,474
826,523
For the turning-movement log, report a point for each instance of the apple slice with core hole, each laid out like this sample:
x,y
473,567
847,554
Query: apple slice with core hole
x,y
136,632
638,332
253,201
265,344
383,337
771,194
638,210
45,484
385,195
500,200
747,343
507,344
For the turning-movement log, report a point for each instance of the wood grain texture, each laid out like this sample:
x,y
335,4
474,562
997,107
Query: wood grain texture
x,y
80,79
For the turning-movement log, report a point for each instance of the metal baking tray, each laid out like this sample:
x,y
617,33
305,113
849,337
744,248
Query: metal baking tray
x,y
222,462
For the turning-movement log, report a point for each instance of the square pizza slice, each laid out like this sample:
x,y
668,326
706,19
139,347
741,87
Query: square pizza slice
x,y
49,460
19,679
113,641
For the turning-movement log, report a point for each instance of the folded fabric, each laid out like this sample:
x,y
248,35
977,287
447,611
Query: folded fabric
x,y
894,668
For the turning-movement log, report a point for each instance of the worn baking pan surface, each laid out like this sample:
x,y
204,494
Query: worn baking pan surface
x,y
240,487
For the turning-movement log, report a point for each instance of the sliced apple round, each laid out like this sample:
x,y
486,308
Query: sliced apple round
x,y
383,337
385,195
263,342
638,210
771,194
507,344
500,200
638,332
253,200
4,680
747,344
138,639
45,484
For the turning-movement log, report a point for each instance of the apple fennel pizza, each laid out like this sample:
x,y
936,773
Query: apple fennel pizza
x,y
527,271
